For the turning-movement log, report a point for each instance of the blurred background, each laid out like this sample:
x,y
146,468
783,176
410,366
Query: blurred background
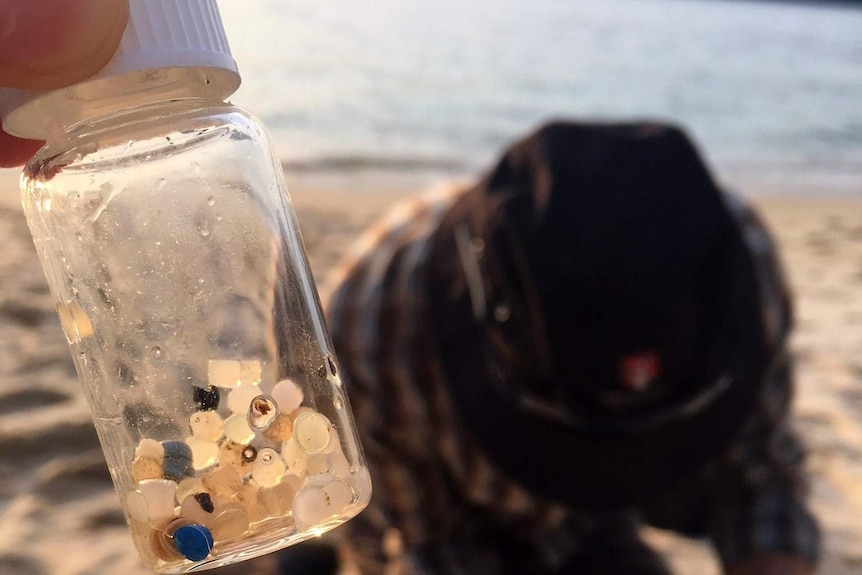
x,y
422,88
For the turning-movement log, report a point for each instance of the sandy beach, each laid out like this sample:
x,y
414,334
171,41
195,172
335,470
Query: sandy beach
x,y
59,514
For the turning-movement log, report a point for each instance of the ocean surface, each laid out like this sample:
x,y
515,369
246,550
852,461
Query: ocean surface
x,y
771,92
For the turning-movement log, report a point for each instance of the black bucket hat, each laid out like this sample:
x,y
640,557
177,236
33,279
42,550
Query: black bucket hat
x,y
595,305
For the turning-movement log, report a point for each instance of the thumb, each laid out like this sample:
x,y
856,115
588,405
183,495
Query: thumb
x,y
47,44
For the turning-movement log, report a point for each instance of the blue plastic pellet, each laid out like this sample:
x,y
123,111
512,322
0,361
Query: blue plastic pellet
x,y
178,461
194,542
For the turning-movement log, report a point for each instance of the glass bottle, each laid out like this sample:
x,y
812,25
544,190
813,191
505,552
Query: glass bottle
x,y
163,224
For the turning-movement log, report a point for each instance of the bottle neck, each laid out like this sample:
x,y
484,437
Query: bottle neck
x,y
132,135
124,120
52,115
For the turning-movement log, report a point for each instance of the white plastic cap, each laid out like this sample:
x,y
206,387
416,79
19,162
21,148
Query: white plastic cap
x,y
170,49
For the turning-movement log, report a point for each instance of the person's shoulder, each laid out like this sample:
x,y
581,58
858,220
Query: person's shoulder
x,y
411,219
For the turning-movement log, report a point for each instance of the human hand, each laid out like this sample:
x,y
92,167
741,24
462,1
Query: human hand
x,y
46,44
772,564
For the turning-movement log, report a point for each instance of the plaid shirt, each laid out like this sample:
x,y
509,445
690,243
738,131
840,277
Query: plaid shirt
x,y
439,504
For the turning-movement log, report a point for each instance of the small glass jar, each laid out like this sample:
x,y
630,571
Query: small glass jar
x,y
171,249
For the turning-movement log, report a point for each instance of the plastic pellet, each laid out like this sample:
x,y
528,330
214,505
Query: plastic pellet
x,y
224,481
74,321
194,542
66,322
336,462
82,322
229,521
160,495
281,428
205,501
206,398
339,466
249,498
176,450
334,443
302,409
237,430
206,425
177,469
312,432
198,508
262,412
178,461
294,457
162,539
340,495
150,448
146,468
137,506
190,486
240,398
249,454
317,464
224,372
277,500
204,453
310,506
268,468
231,454
249,372
288,395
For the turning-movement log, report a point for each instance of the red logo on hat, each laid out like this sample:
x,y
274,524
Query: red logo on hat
x,y
639,370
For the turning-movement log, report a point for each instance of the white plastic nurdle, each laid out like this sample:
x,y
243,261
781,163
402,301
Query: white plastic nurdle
x,y
161,35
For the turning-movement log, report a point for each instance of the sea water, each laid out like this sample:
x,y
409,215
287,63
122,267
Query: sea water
x,y
771,91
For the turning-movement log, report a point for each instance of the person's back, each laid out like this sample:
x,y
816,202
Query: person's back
x,y
591,334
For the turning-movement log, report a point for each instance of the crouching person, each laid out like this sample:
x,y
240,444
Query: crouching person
x,y
591,338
